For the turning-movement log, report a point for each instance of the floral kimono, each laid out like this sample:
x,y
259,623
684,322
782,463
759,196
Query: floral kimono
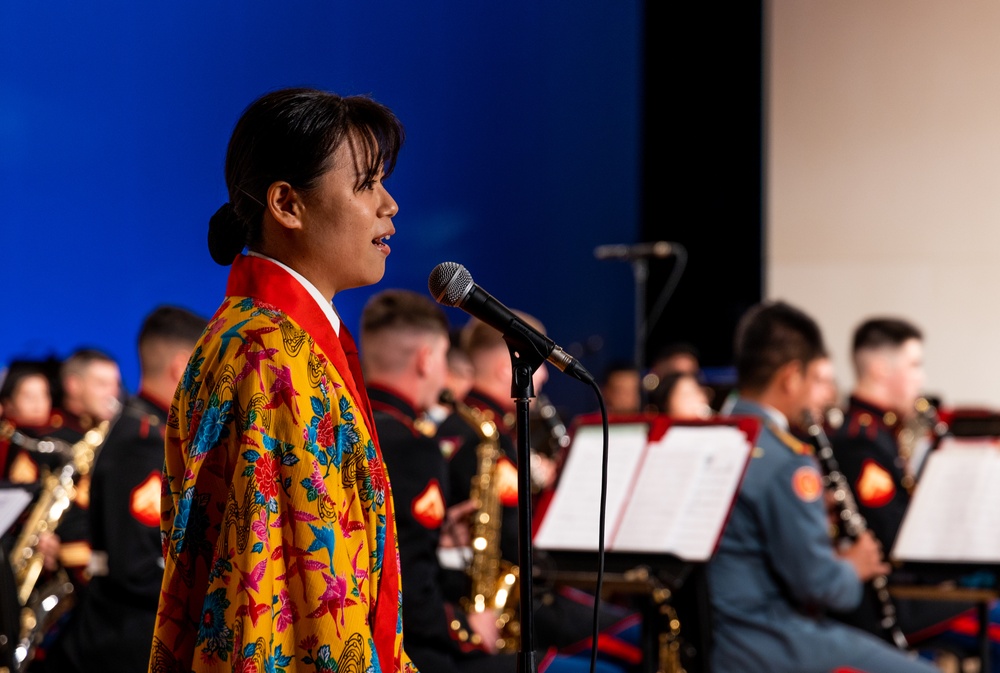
x,y
277,526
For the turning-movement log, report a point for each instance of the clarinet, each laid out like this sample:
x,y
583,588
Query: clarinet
x,y
853,523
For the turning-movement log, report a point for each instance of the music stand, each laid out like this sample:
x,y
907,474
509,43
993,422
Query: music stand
x,y
660,533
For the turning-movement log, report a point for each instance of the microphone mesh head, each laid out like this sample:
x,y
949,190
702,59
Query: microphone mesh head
x,y
449,283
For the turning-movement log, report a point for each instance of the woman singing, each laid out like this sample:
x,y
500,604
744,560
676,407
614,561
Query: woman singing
x,y
277,525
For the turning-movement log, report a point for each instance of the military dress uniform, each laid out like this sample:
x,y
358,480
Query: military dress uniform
x,y
775,573
563,617
438,637
866,448
111,630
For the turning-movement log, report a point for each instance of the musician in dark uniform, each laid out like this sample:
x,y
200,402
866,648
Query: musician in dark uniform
x,y
111,630
888,363
776,574
404,346
90,393
563,617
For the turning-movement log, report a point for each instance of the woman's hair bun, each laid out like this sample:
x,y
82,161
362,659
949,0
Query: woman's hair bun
x,y
226,235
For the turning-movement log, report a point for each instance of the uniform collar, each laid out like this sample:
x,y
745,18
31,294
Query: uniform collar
x,y
744,406
385,398
857,406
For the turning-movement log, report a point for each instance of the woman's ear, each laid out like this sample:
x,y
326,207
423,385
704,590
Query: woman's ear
x,y
285,205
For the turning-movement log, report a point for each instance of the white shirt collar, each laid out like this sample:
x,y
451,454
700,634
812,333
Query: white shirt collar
x,y
325,304
776,417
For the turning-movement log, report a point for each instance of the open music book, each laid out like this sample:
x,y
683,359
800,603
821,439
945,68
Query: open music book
x,y
954,514
671,487
13,502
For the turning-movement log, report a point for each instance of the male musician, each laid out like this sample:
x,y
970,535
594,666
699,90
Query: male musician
x,y
563,619
776,573
621,387
91,389
404,345
111,630
889,370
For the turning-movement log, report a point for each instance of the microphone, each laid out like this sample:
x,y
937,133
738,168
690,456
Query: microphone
x,y
451,285
636,250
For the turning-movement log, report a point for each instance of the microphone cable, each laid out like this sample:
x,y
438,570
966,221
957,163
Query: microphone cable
x,y
601,523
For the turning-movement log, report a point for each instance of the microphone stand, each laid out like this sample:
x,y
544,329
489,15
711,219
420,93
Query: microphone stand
x,y
522,390
640,271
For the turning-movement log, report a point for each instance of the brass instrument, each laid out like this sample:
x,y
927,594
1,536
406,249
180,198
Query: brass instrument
x,y
494,581
42,605
853,523
919,436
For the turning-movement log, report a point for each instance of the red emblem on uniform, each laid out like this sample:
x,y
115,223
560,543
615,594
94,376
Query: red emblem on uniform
x,y
24,470
806,484
874,487
144,504
428,507
506,479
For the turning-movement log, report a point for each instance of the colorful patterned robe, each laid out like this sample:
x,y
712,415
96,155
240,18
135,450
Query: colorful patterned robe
x,y
277,525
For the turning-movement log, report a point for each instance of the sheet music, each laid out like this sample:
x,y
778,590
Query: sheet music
x,y
954,515
12,503
671,496
684,491
572,520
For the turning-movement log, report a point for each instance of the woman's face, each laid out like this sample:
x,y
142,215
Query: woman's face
x,y
345,227
688,400
30,404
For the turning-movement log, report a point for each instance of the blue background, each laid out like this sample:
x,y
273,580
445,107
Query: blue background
x,y
523,153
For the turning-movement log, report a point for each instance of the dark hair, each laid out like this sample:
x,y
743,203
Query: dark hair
x,y
172,324
676,348
616,366
402,309
291,135
477,336
769,336
17,371
659,399
82,358
879,332
164,330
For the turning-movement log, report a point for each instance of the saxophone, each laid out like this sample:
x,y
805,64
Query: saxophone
x,y
42,605
494,581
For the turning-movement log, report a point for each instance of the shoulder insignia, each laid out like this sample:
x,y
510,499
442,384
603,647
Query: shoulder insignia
x,y
23,470
874,487
428,507
807,484
144,503
793,442
505,475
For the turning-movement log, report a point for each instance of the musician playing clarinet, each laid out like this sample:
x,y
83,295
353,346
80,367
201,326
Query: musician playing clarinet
x,y
888,358
776,575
